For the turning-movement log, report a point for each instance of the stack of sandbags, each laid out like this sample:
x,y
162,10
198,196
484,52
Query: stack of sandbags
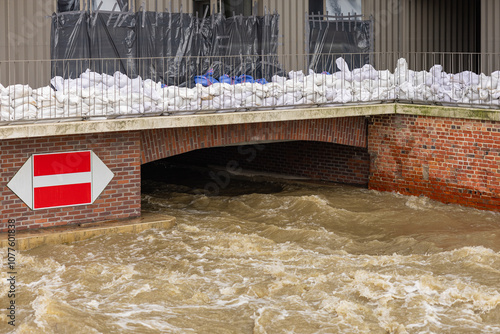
x,y
101,95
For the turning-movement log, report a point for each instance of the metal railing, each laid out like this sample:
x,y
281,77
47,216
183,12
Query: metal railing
x,y
81,89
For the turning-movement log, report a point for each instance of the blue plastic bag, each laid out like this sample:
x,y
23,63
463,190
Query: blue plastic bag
x,y
226,79
204,80
243,78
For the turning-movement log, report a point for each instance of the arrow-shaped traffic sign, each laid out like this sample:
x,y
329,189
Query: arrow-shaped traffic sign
x,y
61,179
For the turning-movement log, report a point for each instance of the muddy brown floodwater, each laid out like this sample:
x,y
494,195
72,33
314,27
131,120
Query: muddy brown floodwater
x,y
271,257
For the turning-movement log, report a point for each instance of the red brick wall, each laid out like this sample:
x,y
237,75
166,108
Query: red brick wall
x,y
159,144
121,198
449,160
314,160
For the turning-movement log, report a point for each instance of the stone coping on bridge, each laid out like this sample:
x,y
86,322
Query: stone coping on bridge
x,y
61,128
29,239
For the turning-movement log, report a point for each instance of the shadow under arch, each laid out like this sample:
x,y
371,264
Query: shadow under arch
x,y
158,144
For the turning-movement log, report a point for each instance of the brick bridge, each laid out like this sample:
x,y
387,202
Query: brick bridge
x,y
448,154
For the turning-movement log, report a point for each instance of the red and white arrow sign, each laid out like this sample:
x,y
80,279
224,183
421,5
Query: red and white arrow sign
x,y
61,179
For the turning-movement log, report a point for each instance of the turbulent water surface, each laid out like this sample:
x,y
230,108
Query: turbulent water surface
x,y
272,258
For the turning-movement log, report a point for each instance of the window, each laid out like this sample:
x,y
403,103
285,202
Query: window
x,y
68,5
237,7
336,7
200,6
109,4
316,7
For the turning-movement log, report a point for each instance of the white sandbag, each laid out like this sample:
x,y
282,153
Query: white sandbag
x,y
368,72
248,88
342,65
187,93
25,111
148,106
76,110
49,103
436,70
431,80
88,92
91,77
386,78
495,94
6,113
43,93
96,100
487,82
171,91
57,82
123,109
406,91
150,83
113,96
135,85
274,90
47,112
120,79
3,91
342,84
467,78
253,101
344,76
260,91
293,86
319,79
287,99
279,79
239,89
213,90
219,88
343,96
128,85
205,105
297,76
330,94
175,102
74,100
401,73
5,101
319,99
23,100
17,91
269,101
162,106
150,92
108,80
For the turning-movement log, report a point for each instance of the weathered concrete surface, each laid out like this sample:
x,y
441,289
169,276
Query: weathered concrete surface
x,y
450,112
166,122
29,239
44,129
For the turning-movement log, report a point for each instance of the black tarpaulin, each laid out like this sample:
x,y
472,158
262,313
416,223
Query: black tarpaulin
x,y
113,41
69,44
328,40
170,45
268,31
171,48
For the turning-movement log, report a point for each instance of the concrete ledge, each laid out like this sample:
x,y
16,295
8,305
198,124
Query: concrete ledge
x,y
46,129
29,239
450,112
164,122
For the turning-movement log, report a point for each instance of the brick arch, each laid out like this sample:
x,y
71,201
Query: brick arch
x,y
163,143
